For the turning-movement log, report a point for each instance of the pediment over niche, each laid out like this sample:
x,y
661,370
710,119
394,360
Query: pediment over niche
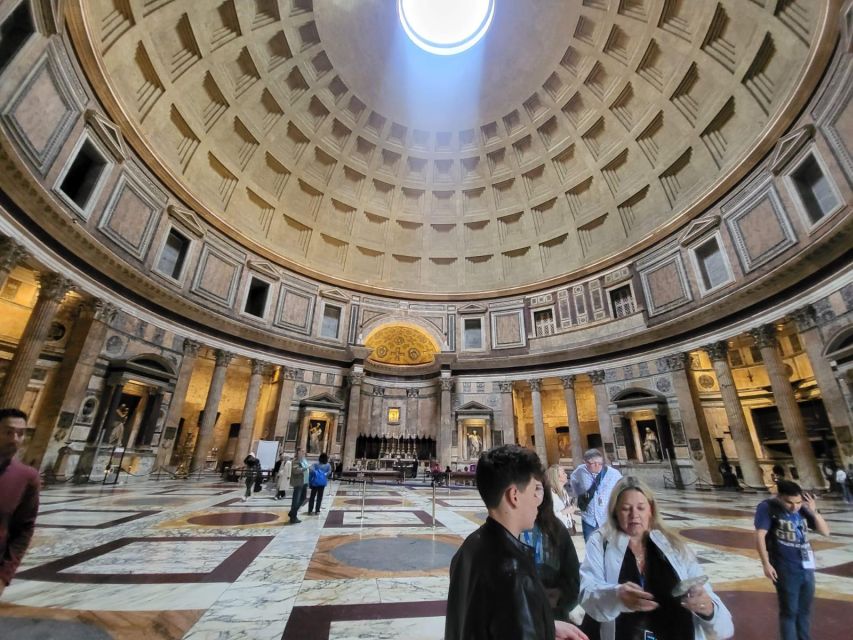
x,y
188,219
334,294
264,267
699,228
108,133
788,146
322,400
474,408
472,308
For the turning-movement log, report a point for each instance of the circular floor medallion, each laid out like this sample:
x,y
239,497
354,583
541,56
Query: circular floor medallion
x,y
395,554
232,519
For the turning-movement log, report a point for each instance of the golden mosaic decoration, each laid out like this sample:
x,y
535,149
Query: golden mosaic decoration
x,y
402,345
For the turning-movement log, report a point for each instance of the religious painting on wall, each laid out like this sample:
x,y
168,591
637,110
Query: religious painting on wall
x,y
473,442
316,432
394,415
564,445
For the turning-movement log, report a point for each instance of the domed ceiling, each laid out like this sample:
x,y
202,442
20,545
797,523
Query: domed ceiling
x,y
570,137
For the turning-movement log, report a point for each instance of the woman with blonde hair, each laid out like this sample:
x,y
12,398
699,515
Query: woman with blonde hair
x,y
640,580
556,479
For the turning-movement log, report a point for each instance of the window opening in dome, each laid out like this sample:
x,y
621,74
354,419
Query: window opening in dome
x,y
445,27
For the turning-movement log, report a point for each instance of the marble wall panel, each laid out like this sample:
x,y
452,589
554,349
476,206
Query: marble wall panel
x,y
130,217
665,284
760,229
507,329
216,276
295,310
41,114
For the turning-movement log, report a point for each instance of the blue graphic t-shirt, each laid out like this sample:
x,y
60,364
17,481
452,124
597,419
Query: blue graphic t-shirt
x,y
787,541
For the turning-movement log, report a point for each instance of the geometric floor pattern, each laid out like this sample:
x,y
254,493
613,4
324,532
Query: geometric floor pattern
x,y
189,559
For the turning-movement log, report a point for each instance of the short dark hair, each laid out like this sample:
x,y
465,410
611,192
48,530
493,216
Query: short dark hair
x,y
323,458
788,488
592,454
12,413
501,467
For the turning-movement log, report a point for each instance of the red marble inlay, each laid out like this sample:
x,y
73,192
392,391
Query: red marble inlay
x,y
233,519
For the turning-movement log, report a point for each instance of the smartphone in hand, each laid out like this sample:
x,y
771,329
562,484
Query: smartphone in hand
x,y
683,588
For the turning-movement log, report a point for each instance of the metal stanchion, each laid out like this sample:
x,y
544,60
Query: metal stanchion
x,y
433,505
363,492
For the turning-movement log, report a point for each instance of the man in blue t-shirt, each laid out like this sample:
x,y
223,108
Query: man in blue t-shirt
x,y
781,527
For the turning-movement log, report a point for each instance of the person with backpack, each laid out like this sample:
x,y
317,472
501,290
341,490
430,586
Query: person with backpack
x,y
318,478
252,473
592,483
781,527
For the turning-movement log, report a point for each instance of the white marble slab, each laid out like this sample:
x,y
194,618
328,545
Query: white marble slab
x,y
351,591
201,556
82,518
408,628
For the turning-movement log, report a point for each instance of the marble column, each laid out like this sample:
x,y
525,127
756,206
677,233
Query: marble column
x,y
789,411
538,420
602,402
250,410
176,405
507,412
71,379
52,289
411,427
286,385
356,378
445,437
11,255
211,404
574,423
831,392
699,439
738,428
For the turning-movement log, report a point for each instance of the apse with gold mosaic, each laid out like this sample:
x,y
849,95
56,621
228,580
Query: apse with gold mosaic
x,y
402,345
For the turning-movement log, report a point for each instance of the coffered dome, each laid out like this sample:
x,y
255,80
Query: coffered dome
x,y
570,137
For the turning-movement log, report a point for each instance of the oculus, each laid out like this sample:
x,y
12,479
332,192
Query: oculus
x,y
445,27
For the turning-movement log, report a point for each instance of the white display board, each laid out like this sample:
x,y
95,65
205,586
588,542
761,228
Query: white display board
x,y
267,451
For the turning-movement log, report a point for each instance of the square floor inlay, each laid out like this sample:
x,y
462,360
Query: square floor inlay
x,y
155,560
354,519
88,518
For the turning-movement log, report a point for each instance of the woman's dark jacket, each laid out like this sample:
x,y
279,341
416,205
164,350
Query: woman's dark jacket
x,y
494,592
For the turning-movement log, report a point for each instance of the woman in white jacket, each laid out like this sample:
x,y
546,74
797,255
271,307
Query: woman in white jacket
x,y
556,479
631,573
283,482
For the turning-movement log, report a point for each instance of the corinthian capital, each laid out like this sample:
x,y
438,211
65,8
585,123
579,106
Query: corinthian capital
x,y
223,358
446,384
805,317
11,254
191,348
717,351
598,376
535,384
764,336
568,381
356,378
53,286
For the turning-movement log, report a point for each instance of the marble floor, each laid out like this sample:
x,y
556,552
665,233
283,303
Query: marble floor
x,y
190,559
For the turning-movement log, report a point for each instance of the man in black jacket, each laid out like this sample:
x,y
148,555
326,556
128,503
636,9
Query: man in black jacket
x,y
494,591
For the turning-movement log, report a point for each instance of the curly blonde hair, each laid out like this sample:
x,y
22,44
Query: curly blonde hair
x,y
632,483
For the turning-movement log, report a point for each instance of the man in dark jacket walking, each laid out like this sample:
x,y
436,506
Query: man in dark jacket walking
x,y
494,590
19,495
